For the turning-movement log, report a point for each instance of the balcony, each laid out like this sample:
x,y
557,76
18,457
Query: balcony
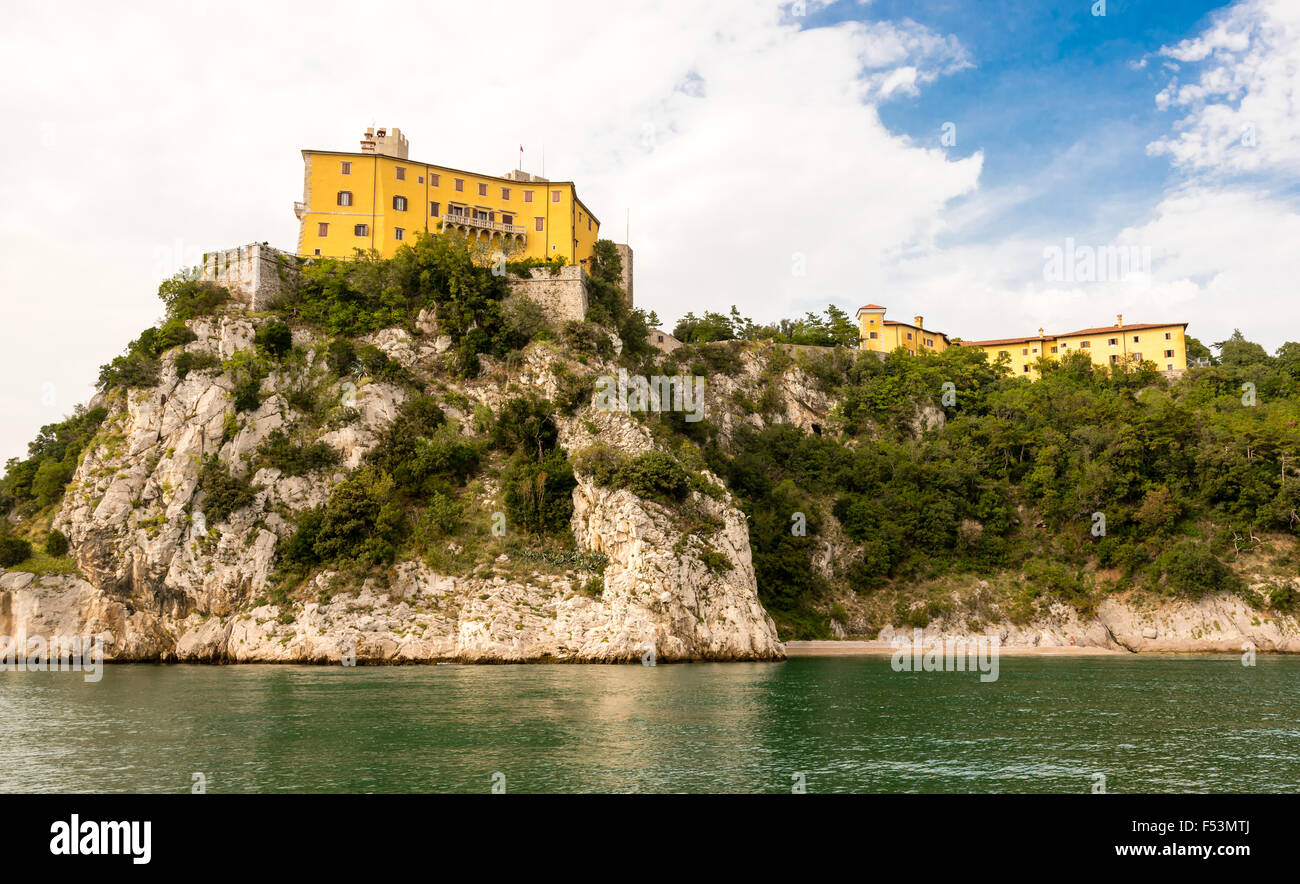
x,y
469,222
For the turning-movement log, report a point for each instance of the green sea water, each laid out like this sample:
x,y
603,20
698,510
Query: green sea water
x,y
848,724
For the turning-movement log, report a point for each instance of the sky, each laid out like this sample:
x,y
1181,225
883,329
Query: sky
x,y
927,155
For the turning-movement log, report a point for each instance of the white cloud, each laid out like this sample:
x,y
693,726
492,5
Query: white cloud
x,y
142,136
1242,109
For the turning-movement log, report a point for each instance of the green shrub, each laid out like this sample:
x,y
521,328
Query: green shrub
x,y
1192,571
525,424
539,493
223,493
279,451
656,475
361,525
341,357
186,296
274,339
14,550
56,544
202,361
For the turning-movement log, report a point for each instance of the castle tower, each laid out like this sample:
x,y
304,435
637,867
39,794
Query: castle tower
x,y
871,327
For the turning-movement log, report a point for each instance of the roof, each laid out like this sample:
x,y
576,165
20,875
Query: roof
x,y
928,331
1083,332
542,184
871,307
999,341
1119,328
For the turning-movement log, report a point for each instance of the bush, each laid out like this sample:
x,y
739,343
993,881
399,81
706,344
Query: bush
x,y
56,544
526,425
341,357
360,525
186,297
223,493
203,361
14,550
274,339
280,452
1192,571
539,493
656,475
53,457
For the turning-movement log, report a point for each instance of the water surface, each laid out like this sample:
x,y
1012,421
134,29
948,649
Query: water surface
x,y
847,724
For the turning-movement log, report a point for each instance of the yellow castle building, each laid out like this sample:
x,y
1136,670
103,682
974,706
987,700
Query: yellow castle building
x,y
885,335
377,198
1161,343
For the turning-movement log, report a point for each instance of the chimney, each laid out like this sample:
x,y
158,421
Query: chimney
x,y
919,320
1040,332
389,144
1119,320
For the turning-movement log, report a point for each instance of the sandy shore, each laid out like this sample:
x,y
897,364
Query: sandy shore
x,y
877,648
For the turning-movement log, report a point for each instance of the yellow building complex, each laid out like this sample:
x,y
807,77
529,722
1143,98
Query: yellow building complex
x,y
377,198
1161,343
884,335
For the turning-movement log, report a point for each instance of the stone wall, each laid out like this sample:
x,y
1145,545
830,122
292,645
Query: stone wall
x,y
625,255
563,295
255,272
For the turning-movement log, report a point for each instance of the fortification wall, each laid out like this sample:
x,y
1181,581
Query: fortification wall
x,y
256,272
563,296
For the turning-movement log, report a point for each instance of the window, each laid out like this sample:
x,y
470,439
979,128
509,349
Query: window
x,y
482,190
588,222
555,196
1024,351
1035,351
507,219
538,224
1135,339
434,179
1025,369
1114,358
345,168
1114,342
1053,349
460,184
1137,357
1085,345
1002,353
909,336
401,173
399,233
433,209
528,196
661,339
322,229
505,193
873,336
1169,336
345,198
1169,354
1169,367
419,180
316,252
399,203
361,230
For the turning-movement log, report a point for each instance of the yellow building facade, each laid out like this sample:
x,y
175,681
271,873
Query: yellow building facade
x,y
885,335
1163,344
377,198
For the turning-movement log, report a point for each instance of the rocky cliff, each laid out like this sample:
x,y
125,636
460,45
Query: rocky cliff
x,y
163,581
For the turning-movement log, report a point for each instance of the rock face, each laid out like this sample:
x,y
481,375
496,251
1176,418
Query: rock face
x,y
163,582
1215,624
